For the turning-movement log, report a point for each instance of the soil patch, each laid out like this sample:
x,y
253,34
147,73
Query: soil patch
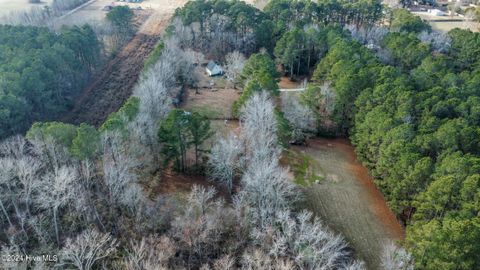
x,y
286,83
170,182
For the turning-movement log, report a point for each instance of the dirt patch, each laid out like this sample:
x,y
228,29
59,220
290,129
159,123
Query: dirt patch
x,y
348,201
286,83
170,182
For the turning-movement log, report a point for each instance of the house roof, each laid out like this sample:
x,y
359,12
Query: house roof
x,y
212,65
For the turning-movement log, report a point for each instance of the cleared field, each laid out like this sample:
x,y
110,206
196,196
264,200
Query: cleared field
x,y
214,97
447,23
94,13
7,6
445,26
91,14
214,104
114,85
348,201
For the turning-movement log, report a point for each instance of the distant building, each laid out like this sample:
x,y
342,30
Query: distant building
x,y
436,12
213,69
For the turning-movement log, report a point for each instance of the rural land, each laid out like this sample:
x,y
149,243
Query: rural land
x,y
228,134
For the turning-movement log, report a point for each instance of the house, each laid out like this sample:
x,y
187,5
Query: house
x,y
436,12
213,69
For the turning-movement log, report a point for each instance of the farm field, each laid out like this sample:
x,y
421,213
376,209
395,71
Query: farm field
x,y
8,6
114,85
348,201
447,23
94,12
91,14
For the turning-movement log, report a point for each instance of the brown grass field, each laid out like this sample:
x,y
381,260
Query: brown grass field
x,y
348,201
7,6
113,86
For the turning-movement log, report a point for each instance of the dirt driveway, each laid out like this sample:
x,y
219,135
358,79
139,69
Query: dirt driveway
x,y
348,201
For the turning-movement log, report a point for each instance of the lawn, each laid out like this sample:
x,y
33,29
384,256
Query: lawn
x,y
346,199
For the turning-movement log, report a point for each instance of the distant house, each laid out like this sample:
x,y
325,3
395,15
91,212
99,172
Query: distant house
x,y
436,12
213,69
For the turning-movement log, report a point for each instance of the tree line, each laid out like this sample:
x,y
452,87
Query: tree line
x,y
407,99
42,72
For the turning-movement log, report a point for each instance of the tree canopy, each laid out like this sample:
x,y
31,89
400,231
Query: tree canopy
x,y
42,72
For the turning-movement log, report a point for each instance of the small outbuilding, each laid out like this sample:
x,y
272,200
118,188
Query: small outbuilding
x,y
213,69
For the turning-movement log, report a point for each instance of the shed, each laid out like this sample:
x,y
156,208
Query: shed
x,y
213,69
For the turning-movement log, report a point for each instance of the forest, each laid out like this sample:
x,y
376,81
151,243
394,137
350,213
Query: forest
x,y
406,96
42,88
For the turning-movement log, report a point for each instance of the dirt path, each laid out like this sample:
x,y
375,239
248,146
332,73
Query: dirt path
x,y
114,85
348,201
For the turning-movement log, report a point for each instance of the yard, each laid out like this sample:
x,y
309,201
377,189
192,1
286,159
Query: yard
x,y
213,98
346,199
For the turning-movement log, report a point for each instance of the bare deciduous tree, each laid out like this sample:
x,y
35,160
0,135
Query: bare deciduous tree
x,y
396,258
225,160
14,147
440,42
259,260
301,118
58,188
118,169
27,171
200,228
370,36
234,63
260,128
309,244
150,253
88,248
226,262
268,190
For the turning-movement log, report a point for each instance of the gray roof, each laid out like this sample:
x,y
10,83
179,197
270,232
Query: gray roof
x,y
211,65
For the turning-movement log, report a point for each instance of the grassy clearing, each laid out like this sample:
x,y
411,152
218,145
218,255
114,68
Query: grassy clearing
x,y
304,168
214,104
346,199
210,113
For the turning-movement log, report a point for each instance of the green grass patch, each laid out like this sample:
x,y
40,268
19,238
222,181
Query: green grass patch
x,y
303,167
210,113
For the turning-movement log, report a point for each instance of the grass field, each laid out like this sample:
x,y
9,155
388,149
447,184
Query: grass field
x,y
7,6
447,23
348,201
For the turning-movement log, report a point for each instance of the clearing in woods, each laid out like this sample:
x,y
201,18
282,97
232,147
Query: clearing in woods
x,y
347,199
114,84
